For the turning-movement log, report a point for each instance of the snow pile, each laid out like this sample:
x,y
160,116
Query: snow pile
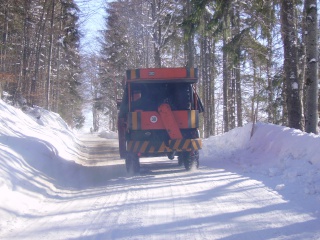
x,y
108,134
272,151
225,145
39,124
39,144
37,151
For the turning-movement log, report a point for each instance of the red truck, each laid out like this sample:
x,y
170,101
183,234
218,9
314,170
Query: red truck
x,y
159,116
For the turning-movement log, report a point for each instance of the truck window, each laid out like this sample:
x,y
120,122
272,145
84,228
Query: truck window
x,y
148,97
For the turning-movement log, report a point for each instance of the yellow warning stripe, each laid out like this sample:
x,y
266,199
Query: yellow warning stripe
x,y
134,120
129,146
133,74
193,119
160,147
192,72
144,146
186,144
194,145
177,143
152,149
136,146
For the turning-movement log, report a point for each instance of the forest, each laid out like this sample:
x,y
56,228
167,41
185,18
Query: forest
x,y
40,61
257,59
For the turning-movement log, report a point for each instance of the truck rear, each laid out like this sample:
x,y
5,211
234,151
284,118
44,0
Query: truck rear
x,y
159,116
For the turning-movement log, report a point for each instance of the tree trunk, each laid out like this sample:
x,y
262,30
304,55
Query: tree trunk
x,y
312,67
48,83
235,30
225,76
211,107
238,95
39,41
290,63
231,100
255,97
204,77
302,66
25,51
3,47
238,74
189,38
271,107
156,33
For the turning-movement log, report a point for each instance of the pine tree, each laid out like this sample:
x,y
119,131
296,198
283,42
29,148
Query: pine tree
x,y
290,63
312,66
39,48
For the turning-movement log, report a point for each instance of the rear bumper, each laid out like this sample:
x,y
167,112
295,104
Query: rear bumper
x,y
178,145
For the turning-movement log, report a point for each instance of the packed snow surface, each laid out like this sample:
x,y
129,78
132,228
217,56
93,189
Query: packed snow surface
x,y
264,186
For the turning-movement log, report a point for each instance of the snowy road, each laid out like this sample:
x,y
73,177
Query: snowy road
x,y
164,202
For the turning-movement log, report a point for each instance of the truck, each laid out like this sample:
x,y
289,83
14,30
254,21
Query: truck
x,y
159,116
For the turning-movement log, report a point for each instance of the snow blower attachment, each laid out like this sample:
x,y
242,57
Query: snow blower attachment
x,y
159,115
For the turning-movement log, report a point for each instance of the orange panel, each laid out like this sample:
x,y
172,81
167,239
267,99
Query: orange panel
x,y
163,73
151,121
169,121
181,118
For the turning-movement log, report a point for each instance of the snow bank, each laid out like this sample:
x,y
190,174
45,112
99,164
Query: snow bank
x,y
272,150
37,152
223,146
286,143
108,134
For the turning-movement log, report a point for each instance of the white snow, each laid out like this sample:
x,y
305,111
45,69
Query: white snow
x,y
313,6
295,85
313,60
264,187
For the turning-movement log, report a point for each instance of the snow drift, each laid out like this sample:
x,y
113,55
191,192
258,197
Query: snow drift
x,y
272,150
38,159
39,143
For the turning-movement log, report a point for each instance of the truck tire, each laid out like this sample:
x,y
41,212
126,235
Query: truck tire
x,y
180,159
191,160
122,137
132,163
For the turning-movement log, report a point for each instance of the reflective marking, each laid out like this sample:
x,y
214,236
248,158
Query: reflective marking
x,y
144,146
186,144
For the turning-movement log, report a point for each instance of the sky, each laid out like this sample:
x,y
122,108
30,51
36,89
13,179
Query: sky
x,y
91,21
262,187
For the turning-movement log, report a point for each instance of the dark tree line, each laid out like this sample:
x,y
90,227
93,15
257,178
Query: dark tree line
x,y
39,55
257,59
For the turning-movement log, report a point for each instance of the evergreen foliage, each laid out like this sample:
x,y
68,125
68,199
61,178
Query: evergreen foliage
x,y
39,54
240,47
255,58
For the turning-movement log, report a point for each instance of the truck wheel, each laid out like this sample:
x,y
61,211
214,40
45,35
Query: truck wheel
x,y
181,158
132,163
191,160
